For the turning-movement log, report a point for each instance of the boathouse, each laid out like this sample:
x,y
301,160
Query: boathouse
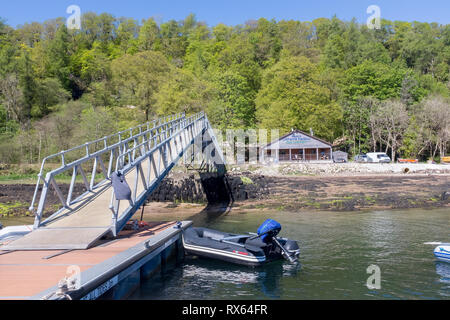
x,y
297,146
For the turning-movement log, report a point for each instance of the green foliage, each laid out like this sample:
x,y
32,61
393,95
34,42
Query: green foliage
x,y
183,92
49,92
59,87
96,123
58,57
234,105
138,77
372,79
293,97
246,180
411,146
92,65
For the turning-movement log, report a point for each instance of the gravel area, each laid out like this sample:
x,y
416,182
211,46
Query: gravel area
x,y
332,169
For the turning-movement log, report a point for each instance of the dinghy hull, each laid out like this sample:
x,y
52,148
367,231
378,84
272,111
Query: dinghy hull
x,y
237,249
442,253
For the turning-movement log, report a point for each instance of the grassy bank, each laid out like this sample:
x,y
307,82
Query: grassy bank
x,y
28,174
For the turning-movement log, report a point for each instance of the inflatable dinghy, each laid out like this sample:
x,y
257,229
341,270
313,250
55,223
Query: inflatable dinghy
x,y
250,250
442,252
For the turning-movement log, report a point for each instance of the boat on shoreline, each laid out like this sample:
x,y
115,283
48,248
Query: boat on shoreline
x,y
250,250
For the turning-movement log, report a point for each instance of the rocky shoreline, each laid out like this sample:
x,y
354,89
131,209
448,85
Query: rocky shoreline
x,y
284,192
296,193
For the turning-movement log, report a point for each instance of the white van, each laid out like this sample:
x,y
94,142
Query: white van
x,y
378,157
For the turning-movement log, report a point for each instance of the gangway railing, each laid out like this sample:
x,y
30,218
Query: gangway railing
x,y
154,147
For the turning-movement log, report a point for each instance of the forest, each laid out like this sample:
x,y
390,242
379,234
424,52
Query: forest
x,y
363,89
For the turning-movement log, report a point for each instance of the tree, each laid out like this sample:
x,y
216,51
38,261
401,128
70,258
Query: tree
x,y
183,92
100,28
239,56
298,39
149,36
199,53
58,57
49,92
372,79
233,106
173,41
266,42
390,123
30,34
27,83
95,123
358,125
422,47
435,125
12,97
91,65
127,34
138,77
292,96
330,75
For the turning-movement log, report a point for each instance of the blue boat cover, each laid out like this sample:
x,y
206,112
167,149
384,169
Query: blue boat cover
x,y
270,228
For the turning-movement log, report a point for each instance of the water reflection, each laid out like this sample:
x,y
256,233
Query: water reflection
x,y
243,281
393,240
443,270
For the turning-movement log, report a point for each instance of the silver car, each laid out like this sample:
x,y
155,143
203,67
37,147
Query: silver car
x,y
361,158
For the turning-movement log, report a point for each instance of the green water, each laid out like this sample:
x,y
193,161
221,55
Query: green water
x,y
337,249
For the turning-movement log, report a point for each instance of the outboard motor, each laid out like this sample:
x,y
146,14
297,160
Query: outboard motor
x,y
268,232
292,248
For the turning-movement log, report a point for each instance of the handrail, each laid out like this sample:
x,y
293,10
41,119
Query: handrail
x,y
166,139
198,126
116,147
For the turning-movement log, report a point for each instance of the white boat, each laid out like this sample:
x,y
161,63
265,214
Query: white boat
x,y
9,234
442,252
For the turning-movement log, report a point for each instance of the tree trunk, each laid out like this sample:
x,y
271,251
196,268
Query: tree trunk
x,y
435,150
393,151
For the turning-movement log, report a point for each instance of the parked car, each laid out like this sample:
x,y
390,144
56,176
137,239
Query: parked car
x,y
340,157
361,158
378,157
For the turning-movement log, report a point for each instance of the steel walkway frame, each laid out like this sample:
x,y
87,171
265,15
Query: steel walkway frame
x,y
162,143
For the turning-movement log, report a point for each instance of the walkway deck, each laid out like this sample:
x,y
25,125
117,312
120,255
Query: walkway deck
x,y
81,228
27,274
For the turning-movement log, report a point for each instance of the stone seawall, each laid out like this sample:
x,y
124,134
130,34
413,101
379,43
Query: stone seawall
x,y
208,187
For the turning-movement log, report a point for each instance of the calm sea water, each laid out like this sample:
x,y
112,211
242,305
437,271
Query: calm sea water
x,y
337,249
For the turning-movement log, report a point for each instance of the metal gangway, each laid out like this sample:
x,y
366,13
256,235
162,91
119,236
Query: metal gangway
x,y
144,155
